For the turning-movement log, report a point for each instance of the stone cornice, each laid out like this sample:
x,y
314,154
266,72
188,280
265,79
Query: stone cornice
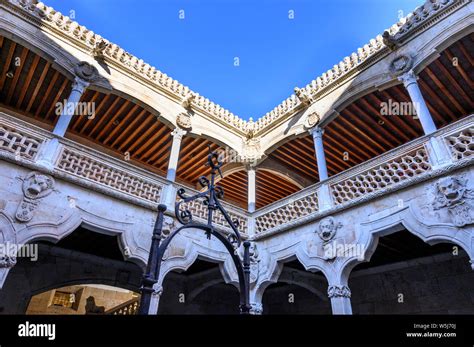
x,y
46,17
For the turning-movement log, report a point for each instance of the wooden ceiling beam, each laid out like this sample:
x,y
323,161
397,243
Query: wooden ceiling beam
x,y
147,122
38,86
28,78
460,69
454,83
98,111
46,94
56,99
444,90
116,115
153,141
104,117
129,114
8,63
394,128
141,117
17,74
434,110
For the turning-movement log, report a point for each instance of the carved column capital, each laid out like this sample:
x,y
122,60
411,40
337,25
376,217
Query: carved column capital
x,y
178,133
317,132
79,85
408,78
339,291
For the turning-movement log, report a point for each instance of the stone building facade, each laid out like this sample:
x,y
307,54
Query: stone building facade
x,y
356,192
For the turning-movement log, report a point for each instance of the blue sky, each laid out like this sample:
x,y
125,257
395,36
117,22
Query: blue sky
x,y
275,53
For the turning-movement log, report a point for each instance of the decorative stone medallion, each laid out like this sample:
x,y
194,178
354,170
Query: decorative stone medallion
x,y
35,187
86,71
327,228
184,121
312,119
400,65
451,193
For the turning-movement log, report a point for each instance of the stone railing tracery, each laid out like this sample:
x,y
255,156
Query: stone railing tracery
x,y
381,176
294,209
83,165
385,172
19,143
461,144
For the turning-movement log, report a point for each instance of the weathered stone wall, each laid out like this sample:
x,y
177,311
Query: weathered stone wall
x,y
442,284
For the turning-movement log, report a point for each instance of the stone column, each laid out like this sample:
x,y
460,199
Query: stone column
x,y
155,299
411,85
251,187
78,88
177,134
340,296
49,151
324,195
317,133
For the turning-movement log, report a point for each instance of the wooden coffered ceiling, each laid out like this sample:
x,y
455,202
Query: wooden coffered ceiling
x,y
360,132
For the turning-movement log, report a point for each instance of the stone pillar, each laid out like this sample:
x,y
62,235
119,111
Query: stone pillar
x,y
155,299
317,133
411,85
78,88
177,134
251,187
50,149
340,296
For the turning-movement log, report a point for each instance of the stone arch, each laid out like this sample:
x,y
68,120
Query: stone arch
x,y
450,35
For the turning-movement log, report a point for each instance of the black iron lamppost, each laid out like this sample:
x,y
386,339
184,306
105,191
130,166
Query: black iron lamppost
x,y
210,198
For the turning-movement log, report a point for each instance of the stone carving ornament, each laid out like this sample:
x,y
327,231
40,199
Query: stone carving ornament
x,y
312,119
86,71
35,187
7,262
184,121
451,193
401,65
337,291
327,228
